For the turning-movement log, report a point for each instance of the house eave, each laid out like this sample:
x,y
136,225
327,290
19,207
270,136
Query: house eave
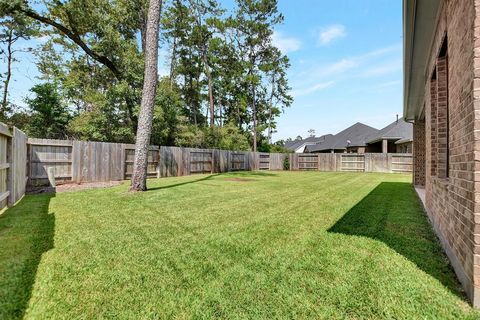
x,y
419,24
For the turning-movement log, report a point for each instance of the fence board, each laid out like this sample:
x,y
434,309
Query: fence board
x,y
46,153
18,166
366,162
5,165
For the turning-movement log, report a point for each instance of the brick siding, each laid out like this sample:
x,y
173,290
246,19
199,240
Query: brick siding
x,y
452,140
419,153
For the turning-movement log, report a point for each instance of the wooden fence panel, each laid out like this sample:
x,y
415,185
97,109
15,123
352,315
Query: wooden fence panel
x,y
201,161
46,153
5,137
18,166
263,161
221,160
402,162
97,161
238,161
153,161
352,162
307,161
171,161
327,162
277,161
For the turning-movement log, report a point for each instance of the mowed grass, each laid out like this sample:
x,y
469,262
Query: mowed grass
x,y
260,245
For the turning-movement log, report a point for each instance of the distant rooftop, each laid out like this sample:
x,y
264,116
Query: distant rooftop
x,y
356,135
397,130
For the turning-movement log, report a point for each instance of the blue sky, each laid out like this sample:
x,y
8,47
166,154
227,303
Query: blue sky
x,y
346,64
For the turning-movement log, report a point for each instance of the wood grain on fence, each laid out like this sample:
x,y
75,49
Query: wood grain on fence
x,y
352,162
13,161
153,159
18,167
5,137
49,153
84,161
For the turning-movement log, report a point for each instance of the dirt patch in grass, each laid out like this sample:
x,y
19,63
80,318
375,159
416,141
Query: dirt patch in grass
x,y
69,187
238,179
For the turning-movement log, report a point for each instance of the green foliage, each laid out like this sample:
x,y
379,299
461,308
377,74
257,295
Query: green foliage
x,y
286,163
221,63
249,245
49,114
166,114
227,137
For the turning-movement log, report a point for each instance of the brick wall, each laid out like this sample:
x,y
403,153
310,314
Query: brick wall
x,y
419,165
452,146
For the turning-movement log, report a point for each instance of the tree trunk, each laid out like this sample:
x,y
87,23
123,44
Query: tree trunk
x,y
254,111
139,177
270,110
210,94
3,109
173,60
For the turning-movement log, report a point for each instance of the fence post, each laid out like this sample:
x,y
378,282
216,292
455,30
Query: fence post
x,y
10,170
158,163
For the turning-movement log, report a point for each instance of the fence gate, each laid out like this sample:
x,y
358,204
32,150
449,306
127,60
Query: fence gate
x,y
353,162
201,161
307,162
263,161
238,162
402,163
153,161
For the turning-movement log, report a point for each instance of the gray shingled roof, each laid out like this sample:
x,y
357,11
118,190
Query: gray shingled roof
x,y
294,145
354,136
398,130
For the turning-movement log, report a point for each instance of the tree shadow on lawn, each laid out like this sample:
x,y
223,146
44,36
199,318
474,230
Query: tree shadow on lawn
x,y
183,183
211,176
392,213
26,233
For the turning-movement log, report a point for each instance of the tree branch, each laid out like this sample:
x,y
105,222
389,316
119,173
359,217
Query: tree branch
x,y
75,37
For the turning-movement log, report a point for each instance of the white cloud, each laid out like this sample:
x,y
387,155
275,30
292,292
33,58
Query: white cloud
x,y
340,66
285,44
330,33
312,88
383,69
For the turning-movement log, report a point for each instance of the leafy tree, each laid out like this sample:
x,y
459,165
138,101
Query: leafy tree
x,y
224,69
49,114
11,30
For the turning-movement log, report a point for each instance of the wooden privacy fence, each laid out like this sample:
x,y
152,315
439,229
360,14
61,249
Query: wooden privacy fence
x,y
84,161
352,162
13,159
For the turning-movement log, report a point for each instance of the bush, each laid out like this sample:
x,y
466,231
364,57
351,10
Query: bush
x,y
286,162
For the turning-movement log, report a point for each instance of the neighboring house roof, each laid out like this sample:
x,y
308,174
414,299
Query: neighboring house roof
x,y
356,135
397,130
298,144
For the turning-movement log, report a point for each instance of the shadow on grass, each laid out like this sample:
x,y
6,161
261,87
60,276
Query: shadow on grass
x,y
183,183
391,213
252,173
26,232
226,174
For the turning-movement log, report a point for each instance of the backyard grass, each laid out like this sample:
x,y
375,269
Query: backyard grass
x,y
240,245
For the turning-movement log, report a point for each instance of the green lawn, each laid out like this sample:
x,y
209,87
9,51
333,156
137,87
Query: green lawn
x,y
273,245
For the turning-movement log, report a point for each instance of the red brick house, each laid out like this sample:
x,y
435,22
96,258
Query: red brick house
x,y
442,99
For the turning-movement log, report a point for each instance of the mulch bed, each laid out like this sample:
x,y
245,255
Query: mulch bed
x,y
69,187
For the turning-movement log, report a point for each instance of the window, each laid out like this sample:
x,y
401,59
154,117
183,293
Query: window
x,y
442,112
439,112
